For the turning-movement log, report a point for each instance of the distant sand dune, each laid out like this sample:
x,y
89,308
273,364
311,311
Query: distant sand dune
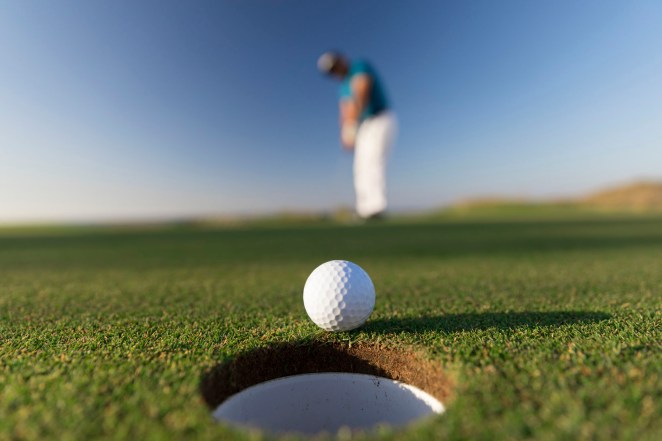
x,y
637,196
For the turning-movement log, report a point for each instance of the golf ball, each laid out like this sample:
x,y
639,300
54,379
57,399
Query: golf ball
x,y
339,296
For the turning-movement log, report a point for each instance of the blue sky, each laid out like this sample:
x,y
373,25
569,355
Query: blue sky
x,y
164,109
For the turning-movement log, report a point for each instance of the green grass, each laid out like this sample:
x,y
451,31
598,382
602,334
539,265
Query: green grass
x,y
551,330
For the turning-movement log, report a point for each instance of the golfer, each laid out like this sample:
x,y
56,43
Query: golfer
x,y
367,126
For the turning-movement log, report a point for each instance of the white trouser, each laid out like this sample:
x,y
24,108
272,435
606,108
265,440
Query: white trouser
x,y
374,140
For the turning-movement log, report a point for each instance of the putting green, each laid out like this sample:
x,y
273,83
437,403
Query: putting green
x,y
547,330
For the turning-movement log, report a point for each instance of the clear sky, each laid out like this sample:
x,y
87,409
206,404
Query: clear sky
x,y
149,109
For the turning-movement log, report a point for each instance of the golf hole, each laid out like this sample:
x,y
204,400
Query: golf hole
x,y
309,388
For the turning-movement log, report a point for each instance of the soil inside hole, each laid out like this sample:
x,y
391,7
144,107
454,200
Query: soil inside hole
x,y
294,358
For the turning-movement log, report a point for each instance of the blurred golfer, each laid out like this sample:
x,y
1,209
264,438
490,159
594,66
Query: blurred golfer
x,y
367,126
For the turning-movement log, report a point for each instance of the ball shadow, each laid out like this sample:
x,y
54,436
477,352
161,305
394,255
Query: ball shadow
x,y
450,323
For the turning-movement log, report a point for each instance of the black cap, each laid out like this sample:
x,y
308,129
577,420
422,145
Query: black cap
x,y
327,61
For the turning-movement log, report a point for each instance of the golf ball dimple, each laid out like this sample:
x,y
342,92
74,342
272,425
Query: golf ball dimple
x,y
339,296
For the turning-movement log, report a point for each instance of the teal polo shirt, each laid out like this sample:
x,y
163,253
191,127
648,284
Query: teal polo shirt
x,y
377,101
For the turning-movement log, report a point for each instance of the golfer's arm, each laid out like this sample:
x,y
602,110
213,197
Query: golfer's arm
x,y
361,87
351,108
348,112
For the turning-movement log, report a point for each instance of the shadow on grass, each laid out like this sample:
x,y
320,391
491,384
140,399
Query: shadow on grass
x,y
480,321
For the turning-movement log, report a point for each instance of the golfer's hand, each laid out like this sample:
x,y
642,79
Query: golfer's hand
x,y
348,135
347,147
